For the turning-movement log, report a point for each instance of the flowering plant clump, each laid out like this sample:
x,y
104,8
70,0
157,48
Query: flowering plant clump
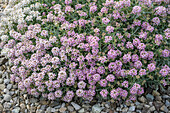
x,y
88,48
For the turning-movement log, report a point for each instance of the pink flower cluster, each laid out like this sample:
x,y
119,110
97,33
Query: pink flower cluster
x,y
85,50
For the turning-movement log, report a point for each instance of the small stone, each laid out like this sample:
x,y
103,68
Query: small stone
x,y
9,86
158,98
132,108
57,107
155,112
1,107
152,108
137,103
157,105
167,103
6,81
125,109
142,99
33,100
155,93
164,108
81,110
62,109
107,106
6,91
147,106
7,97
151,103
53,110
76,106
43,107
15,111
32,109
7,105
39,111
70,108
43,102
1,80
150,97
2,86
118,109
138,111
48,109
22,107
96,108
145,110
63,105
165,97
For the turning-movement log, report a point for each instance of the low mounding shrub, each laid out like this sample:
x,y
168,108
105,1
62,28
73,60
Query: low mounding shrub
x,y
88,48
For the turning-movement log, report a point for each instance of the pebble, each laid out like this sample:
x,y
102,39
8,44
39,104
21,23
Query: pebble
x,y
9,86
165,97
48,109
152,108
7,105
70,108
155,93
138,111
6,91
158,98
150,97
43,107
6,81
132,108
81,110
33,100
142,99
167,103
164,108
76,106
22,106
96,108
1,80
124,109
157,105
39,111
107,106
1,107
62,109
2,86
7,97
15,111
53,110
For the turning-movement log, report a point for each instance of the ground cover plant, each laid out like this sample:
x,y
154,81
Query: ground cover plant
x,y
88,48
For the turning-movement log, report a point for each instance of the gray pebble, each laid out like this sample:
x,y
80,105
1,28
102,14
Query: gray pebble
x,y
1,80
2,86
164,108
96,108
70,108
132,108
7,97
167,103
165,96
150,97
152,108
6,81
9,86
76,106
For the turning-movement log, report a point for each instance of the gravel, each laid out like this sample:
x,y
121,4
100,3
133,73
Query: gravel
x,y
76,106
7,97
